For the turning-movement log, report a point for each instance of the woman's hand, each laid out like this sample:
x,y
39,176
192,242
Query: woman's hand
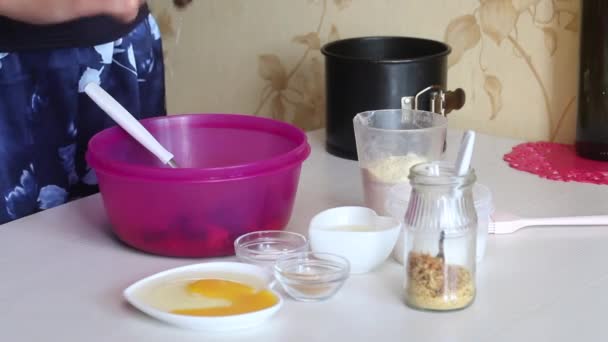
x,y
56,11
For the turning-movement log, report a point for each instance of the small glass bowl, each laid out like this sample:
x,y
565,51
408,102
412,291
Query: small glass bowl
x,y
311,276
264,247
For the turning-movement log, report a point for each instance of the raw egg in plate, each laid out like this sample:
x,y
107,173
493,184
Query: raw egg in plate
x,y
214,296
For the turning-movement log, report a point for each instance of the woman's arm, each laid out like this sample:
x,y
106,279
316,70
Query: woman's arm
x,y
56,11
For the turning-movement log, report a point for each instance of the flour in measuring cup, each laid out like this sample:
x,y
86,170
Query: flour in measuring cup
x,y
380,176
394,169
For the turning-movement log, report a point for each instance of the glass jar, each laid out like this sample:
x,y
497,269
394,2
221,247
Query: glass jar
x,y
441,225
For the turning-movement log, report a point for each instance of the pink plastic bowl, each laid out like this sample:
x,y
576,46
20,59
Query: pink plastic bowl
x,y
238,174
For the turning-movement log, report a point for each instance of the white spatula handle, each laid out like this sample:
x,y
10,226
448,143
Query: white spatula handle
x,y
465,153
598,220
123,118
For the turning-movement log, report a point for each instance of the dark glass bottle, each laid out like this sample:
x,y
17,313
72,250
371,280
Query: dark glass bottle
x,y
592,117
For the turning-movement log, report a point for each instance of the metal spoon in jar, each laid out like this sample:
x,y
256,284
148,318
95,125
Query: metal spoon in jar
x,y
125,120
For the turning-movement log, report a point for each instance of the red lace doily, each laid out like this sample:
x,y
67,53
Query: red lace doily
x,y
557,162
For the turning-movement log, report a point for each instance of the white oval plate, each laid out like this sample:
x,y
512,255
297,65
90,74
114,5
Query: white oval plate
x,y
240,272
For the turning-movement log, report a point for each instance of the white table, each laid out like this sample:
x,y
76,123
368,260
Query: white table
x,y
62,272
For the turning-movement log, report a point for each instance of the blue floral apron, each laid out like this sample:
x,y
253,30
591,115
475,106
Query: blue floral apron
x,y
46,120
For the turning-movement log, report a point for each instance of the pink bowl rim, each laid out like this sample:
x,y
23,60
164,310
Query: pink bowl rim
x,y
295,156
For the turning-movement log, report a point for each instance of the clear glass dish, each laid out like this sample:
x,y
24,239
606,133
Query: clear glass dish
x,y
311,276
264,247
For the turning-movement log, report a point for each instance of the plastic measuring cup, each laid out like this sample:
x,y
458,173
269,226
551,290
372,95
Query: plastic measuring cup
x,y
389,143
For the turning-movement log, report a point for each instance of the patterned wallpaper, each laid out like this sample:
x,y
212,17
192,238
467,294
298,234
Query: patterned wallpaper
x,y
516,59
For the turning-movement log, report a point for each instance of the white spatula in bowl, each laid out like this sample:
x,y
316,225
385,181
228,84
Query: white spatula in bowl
x,y
125,120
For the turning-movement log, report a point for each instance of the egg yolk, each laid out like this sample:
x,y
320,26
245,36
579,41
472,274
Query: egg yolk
x,y
218,288
242,298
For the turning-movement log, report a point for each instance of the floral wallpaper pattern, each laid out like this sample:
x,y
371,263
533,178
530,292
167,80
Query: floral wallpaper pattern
x,y
495,21
517,59
297,95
